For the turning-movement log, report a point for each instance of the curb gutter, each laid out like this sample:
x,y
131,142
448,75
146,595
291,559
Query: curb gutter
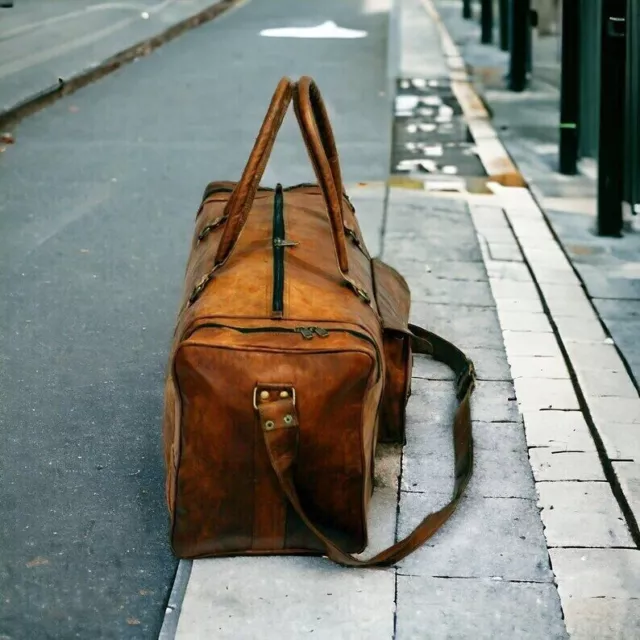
x,y
14,114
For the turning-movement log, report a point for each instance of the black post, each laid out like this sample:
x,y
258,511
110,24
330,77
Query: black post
x,y
504,25
466,9
612,102
570,88
520,24
486,22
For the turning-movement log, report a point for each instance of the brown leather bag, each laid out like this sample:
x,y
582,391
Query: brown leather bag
x,y
291,357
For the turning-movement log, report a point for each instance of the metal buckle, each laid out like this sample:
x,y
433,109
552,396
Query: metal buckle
x,y
291,390
466,380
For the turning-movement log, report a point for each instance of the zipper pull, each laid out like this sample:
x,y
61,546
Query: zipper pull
x,y
281,242
306,332
323,333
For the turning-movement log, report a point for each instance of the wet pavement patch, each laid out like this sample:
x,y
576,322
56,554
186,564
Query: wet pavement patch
x,y
430,136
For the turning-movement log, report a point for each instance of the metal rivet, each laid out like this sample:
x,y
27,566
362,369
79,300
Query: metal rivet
x,y
284,394
269,424
264,395
288,419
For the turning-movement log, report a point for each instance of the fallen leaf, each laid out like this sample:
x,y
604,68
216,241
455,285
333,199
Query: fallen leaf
x,y
37,562
7,138
145,592
133,621
74,109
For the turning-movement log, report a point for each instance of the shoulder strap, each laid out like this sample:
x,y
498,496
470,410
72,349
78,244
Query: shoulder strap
x,y
279,422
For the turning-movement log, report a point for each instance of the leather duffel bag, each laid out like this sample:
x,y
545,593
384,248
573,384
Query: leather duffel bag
x,y
291,358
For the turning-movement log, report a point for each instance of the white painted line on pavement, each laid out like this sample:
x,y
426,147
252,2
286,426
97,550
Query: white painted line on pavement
x,y
328,29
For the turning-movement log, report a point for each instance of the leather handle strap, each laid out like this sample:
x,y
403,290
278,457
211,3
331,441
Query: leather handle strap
x,y
317,133
310,111
279,423
242,197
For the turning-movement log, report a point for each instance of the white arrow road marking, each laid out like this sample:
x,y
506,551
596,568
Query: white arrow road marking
x,y
328,29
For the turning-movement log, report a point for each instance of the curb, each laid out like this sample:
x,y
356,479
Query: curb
x,y
496,160
14,114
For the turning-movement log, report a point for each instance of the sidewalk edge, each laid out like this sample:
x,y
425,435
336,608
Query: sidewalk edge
x,y
176,597
37,101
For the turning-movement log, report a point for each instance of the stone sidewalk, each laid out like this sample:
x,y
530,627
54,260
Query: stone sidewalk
x,y
486,574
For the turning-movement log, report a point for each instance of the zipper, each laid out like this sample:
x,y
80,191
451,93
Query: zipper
x,y
307,333
279,244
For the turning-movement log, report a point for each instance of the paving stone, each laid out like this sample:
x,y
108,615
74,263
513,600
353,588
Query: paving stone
x,y
288,597
429,289
565,276
441,269
416,248
501,465
551,465
478,609
582,514
516,271
618,309
532,233
621,441
384,501
602,382
605,286
519,343
467,327
505,251
492,402
628,474
491,364
546,258
597,356
486,537
495,233
558,430
520,321
538,367
510,289
587,329
597,573
486,218
543,394
529,305
602,618
622,410
577,306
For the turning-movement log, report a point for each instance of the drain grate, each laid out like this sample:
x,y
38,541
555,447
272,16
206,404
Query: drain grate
x,y
430,136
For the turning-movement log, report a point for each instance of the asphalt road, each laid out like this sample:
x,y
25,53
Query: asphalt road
x,y
98,199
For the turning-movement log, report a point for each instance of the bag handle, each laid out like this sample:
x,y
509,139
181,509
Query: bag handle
x,y
321,145
241,199
279,422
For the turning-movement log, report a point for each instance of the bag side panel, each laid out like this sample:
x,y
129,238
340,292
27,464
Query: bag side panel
x,y
228,500
394,302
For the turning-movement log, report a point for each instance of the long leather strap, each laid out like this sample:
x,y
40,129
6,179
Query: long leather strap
x,y
279,424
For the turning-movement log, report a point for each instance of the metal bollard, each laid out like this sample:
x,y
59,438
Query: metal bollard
x,y
570,88
612,105
486,21
520,39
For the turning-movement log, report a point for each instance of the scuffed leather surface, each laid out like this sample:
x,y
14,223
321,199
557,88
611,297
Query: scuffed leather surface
x,y
394,302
